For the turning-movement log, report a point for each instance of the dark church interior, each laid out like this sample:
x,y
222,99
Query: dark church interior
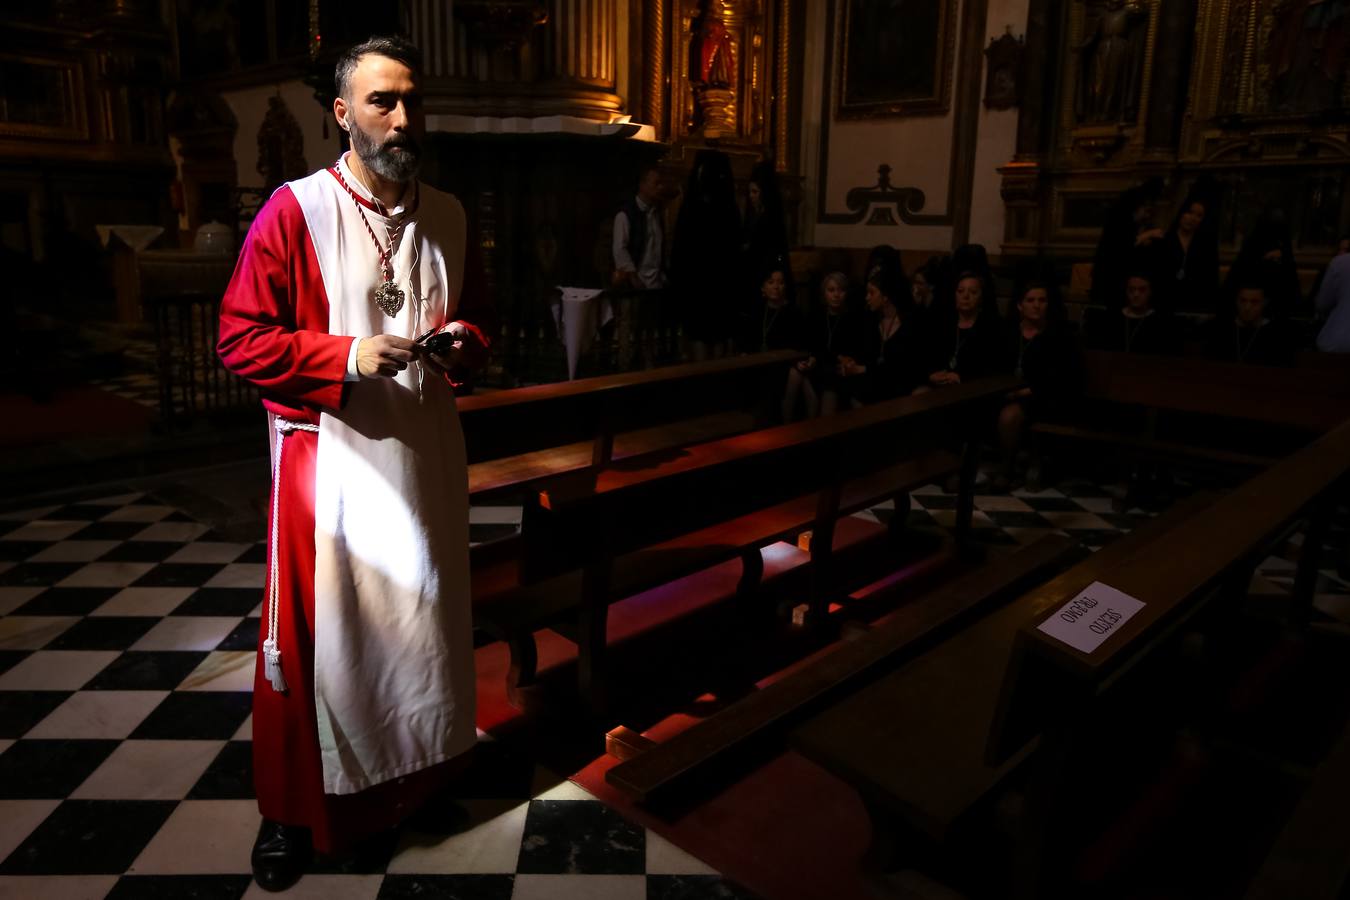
x,y
904,449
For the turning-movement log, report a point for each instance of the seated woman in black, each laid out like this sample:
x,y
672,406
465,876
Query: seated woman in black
x,y
887,363
1046,357
1136,326
832,329
1249,335
776,324
966,343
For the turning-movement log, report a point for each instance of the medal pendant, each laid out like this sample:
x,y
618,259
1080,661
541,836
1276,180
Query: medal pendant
x,y
389,298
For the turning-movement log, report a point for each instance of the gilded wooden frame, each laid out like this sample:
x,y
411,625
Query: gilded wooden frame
x,y
76,124
935,101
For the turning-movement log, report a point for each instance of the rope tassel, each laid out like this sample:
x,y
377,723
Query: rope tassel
x,y
271,652
272,666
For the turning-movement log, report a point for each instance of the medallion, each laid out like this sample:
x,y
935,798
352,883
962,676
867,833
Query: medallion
x,y
389,298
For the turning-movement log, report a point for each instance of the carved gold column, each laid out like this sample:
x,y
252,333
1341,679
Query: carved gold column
x,y
654,62
784,89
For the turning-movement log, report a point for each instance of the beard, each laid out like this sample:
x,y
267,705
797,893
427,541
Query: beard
x,y
399,166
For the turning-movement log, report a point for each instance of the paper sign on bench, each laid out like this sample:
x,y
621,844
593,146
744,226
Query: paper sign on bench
x,y
1090,618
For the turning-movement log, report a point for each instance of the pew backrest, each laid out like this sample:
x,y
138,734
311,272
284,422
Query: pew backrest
x,y
1047,673
628,504
516,421
1314,398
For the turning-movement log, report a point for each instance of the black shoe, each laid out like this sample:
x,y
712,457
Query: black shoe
x,y
281,854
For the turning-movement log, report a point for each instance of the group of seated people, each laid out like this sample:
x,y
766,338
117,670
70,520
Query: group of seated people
x,y
941,326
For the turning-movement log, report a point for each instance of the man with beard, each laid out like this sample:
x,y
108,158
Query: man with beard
x,y
363,699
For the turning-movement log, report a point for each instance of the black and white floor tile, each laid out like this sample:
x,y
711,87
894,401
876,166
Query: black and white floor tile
x,y
126,663
139,387
126,657
137,380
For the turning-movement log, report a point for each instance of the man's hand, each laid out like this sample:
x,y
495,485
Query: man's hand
x,y
848,366
455,355
384,355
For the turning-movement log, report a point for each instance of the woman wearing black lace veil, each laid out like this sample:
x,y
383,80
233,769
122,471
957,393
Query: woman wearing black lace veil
x,y
1185,262
764,233
704,265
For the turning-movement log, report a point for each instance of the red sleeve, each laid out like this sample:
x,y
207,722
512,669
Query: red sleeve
x,y
274,316
477,313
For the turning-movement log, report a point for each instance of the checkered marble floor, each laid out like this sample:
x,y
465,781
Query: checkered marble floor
x,y
127,634
138,382
139,387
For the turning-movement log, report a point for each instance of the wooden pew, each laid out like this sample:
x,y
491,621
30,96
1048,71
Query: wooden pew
x,y
516,438
594,537
1311,857
940,705
917,625
960,719
1303,400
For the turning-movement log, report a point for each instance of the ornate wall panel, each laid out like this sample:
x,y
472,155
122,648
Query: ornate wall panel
x,y
82,135
521,57
1265,117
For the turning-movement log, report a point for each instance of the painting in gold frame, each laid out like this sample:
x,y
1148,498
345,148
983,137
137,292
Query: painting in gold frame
x,y
895,57
41,98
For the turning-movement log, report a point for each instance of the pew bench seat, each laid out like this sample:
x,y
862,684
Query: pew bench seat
x,y
512,608
924,760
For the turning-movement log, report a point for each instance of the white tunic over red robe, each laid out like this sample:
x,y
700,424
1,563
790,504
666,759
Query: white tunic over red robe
x,y
371,538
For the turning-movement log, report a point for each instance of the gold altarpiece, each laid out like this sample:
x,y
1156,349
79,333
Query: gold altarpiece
x,y
704,74
1253,94
755,114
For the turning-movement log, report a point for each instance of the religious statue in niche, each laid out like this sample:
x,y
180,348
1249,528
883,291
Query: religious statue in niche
x,y
1308,49
1112,64
712,69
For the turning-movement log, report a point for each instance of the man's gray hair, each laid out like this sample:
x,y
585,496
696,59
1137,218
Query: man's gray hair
x,y
393,47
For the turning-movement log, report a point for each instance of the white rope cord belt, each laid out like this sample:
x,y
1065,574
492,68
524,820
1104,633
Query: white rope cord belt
x,y
272,653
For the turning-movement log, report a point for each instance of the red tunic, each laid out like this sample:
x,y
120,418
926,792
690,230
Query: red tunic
x,y
274,332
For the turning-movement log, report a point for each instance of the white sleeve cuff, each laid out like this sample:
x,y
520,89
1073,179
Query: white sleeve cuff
x,y
353,373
